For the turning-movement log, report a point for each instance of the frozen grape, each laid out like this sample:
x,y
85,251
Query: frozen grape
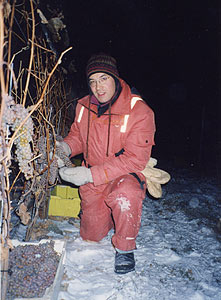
x,y
33,269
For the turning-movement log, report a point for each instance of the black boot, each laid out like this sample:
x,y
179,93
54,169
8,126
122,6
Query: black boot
x,y
124,262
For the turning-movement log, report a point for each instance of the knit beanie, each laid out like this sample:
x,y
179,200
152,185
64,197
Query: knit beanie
x,y
102,63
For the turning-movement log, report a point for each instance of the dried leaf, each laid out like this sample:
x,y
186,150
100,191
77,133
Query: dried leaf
x,y
23,214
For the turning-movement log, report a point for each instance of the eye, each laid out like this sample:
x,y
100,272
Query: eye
x,y
91,82
104,78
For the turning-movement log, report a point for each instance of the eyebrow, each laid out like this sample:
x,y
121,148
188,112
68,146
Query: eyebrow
x,y
98,77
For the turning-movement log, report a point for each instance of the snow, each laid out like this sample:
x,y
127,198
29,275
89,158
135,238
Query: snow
x,y
178,250
123,202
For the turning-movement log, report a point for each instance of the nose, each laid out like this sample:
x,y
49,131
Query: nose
x,y
98,84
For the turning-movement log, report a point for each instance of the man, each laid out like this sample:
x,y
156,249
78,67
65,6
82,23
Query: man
x,y
114,129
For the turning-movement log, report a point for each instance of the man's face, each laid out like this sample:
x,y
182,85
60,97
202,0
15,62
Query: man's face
x,y
102,86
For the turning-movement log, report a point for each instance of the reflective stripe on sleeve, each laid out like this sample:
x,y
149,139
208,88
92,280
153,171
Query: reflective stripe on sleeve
x,y
134,101
80,114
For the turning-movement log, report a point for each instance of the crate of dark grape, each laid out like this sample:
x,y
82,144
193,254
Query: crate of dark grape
x,y
35,270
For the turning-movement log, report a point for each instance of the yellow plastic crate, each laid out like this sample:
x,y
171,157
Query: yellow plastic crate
x,y
72,193
65,192
64,207
60,191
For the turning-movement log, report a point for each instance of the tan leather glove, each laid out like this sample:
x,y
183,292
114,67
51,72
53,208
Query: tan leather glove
x,y
154,178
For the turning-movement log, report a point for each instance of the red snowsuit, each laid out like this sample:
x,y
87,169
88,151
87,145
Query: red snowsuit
x,y
115,197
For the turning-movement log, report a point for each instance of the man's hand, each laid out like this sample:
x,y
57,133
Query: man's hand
x,y
78,175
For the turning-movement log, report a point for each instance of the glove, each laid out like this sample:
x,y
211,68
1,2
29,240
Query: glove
x,y
154,178
78,175
61,154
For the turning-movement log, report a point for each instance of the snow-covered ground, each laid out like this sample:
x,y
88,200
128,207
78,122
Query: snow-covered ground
x,y
178,253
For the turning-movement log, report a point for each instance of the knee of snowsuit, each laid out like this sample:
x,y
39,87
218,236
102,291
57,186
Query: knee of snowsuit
x,y
116,204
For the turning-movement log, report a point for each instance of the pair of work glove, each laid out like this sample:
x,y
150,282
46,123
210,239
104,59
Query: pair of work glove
x,y
154,178
76,175
82,175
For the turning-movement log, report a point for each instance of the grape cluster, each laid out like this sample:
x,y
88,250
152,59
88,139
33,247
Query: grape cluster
x,y
63,156
25,133
7,120
54,165
32,270
53,172
43,161
41,145
13,115
9,114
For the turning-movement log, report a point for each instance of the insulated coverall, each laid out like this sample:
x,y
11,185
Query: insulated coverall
x,y
115,197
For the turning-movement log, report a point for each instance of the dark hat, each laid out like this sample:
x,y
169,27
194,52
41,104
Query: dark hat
x,y
102,63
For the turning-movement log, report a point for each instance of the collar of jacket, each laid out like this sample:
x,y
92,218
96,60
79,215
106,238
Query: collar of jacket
x,y
121,107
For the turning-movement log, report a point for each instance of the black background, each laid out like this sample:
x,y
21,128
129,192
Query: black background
x,y
168,50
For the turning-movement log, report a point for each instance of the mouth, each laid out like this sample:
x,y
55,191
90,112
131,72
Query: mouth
x,y
100,94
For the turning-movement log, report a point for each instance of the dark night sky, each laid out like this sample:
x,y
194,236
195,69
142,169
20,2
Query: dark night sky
x,y
168,50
